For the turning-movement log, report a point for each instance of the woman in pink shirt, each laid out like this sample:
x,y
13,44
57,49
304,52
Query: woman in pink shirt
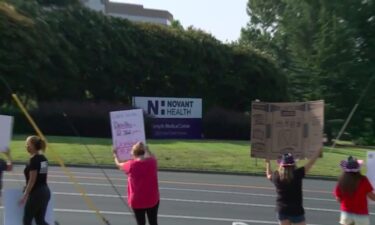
x,y
352,191
143,188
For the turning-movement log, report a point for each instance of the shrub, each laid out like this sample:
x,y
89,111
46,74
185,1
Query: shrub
x,y
219,123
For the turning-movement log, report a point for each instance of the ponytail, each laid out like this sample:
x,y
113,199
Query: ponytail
x,y
138,149
39,143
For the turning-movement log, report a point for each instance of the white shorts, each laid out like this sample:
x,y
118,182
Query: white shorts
x,y
354,219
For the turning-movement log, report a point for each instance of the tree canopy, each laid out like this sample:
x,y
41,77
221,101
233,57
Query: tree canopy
x,y
325,48
64,51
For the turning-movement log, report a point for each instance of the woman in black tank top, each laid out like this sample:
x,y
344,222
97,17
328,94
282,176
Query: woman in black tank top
x,y
37,194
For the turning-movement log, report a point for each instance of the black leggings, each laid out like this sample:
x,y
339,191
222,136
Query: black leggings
x,y
36,206
152,215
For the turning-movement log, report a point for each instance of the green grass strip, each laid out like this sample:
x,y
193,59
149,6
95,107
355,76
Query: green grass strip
x,y
205,155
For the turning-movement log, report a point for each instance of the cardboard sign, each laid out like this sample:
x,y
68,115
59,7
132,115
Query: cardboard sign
x,y
278,128
127,129
13,212
6,130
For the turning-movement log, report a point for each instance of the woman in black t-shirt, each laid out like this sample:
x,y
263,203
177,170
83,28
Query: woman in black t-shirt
x,y
288,182
36,194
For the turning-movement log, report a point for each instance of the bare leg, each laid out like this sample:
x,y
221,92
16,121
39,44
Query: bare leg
x,y
301,223
285,222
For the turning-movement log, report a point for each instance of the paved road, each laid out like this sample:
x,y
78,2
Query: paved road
x,y
186,198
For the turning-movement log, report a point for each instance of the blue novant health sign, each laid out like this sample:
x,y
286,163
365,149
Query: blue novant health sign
x,y
173,117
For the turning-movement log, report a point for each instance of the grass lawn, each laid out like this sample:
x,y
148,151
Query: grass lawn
x,y
207,155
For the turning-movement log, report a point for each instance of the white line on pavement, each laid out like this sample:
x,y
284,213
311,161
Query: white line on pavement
x,y
202,201
175,216
240,193
182,189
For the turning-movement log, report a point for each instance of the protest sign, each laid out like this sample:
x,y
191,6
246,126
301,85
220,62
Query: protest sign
x,y
13,212
127,129
278,128
371,167
6,125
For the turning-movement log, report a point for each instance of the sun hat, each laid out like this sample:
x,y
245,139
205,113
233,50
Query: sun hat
x,y
351,164
286,160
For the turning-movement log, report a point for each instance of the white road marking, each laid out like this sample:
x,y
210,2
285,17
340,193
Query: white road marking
x,y
175,216
240,193
181,189
201,201
166,216
123,180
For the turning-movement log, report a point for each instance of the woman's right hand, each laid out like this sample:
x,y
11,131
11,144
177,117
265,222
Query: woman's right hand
x,y
114,152
23,200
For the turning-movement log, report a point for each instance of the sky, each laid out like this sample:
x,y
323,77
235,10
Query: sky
x,y
222,18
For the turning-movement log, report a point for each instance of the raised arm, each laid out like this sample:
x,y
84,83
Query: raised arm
x,y
268,169
313,159
8,159
118,164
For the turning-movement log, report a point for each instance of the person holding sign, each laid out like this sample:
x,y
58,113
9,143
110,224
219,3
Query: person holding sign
x,y
143,188
37,193
5,165
351,191
288,182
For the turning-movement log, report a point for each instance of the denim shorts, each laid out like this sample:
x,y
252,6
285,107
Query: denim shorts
x,y
292,219
351,218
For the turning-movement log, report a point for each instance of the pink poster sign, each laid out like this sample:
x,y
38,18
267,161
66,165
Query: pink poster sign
x,y
371,167
6,124
127,129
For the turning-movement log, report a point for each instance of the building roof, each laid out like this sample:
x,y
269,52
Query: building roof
x,y
135,10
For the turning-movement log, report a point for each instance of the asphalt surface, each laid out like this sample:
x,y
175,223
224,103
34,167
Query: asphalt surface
x,y
186,198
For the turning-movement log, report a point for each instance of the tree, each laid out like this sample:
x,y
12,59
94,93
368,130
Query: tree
x,y
73,53
323,47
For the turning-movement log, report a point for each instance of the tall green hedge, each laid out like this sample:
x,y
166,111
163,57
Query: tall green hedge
x,y
69,53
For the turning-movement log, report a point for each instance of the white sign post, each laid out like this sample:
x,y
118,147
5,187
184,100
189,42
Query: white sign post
x,y
6,127
127,129
13,212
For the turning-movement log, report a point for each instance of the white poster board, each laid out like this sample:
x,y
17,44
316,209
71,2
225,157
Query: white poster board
x,y
292,127
371,167
6,130
127,129
13,212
